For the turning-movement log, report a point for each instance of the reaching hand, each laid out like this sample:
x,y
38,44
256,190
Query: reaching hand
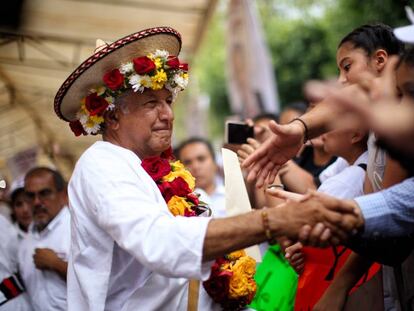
x,y
296,257
317,219
283,144
351,221
247,149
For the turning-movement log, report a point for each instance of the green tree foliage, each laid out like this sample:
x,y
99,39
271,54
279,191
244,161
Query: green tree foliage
x,y
302,35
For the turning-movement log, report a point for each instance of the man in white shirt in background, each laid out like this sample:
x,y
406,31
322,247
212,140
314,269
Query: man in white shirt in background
x,y
12,296
43,255
198,156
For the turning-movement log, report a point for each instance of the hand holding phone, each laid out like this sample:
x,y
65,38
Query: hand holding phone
x,y
238,132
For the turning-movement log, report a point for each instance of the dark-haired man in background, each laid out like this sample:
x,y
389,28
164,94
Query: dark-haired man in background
x,y
43,255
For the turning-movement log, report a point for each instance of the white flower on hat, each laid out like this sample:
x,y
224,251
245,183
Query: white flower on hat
x,y
126,68
181,81
110,101
91,127
135,81
161,54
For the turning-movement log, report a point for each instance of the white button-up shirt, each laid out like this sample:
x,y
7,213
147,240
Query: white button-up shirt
x,y
128,251
46,289
8,265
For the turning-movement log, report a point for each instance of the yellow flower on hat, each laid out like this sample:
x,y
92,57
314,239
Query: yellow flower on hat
x,y
159,80
178,205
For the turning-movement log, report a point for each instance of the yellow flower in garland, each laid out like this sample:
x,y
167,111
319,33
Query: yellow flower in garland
x,y
178,205
236,255
240,282
178,170
159,80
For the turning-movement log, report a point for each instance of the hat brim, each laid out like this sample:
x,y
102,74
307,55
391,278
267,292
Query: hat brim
x,y
89,74
405,34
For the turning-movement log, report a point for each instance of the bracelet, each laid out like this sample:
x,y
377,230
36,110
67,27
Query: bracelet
x,y
276,186
306,132
265,218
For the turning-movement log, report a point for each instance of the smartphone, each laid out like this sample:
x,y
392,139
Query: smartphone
x,y
238,132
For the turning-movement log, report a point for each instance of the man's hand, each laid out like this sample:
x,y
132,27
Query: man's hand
x,y
317,220
323,232
284,143
45,258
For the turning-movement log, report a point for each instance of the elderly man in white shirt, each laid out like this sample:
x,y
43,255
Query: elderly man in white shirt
x,y
43,254
128,251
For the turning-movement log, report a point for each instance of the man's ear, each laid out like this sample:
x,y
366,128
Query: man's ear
x,y
359,135
380,58
112,119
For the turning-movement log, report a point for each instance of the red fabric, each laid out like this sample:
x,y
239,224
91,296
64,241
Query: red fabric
x,y
312,283
10,286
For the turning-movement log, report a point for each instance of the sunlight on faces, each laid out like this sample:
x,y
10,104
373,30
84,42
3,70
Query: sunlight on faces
x,y
145,125
198,159
46,202
352,62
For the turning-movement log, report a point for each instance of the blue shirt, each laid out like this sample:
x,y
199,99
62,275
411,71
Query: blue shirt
x,y
390,212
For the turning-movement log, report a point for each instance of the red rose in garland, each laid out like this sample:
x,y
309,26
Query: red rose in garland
x,y
156,167
114,79
95,104
176,187
143,65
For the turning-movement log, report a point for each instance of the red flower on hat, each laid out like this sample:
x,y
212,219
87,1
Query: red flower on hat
x,y
113,79
95,104
77,128
143,65
173,62
183,66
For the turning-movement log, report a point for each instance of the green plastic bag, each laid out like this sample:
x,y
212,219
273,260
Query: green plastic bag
x,y
276,283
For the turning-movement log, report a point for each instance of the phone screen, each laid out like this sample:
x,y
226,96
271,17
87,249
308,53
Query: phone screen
x,y
237,132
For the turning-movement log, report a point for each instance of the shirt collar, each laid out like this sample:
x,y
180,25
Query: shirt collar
x,y
53,223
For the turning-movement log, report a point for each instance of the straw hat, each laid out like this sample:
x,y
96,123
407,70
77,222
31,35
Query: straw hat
x,y
107,57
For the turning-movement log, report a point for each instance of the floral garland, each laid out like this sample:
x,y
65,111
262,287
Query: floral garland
x,y
154,71
231,283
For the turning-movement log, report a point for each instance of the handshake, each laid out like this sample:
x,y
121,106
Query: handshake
x,y
315,219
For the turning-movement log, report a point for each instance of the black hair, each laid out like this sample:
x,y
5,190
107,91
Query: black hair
x,y
58,179
407,57
266,115
373,37
194,140
14,195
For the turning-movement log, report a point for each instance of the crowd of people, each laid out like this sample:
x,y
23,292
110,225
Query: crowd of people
x,y
329,181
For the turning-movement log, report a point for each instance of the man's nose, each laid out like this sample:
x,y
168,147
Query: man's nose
x,y
166,112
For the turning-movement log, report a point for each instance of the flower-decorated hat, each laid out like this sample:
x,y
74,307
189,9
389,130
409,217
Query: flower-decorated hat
x,y
146,59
